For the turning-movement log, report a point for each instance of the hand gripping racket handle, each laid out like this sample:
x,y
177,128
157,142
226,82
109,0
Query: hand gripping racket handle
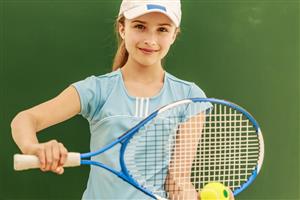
x,y
23,162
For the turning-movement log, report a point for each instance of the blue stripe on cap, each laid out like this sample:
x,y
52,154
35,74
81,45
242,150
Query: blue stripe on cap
x,y
153,6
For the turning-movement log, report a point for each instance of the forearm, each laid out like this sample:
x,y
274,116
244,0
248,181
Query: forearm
x,y
24,129
180,188
25,126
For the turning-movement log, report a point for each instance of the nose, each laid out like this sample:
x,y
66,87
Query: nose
x,y
150,39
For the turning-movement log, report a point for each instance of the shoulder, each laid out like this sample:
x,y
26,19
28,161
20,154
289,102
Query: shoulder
x,y
97,85
179,83
106,77
186,88
99,81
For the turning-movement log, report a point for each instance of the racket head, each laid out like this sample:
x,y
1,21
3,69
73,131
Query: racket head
x,y
147,153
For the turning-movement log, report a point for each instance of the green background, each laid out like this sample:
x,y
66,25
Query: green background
x,y
243,51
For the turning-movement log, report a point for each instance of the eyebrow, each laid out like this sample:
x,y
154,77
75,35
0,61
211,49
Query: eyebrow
x,y
143,22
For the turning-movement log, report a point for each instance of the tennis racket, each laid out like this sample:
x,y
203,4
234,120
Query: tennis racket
x,y
179,148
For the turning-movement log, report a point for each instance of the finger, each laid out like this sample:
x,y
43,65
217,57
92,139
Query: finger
x,y
55,156
49,158
42,158
59,170
63,154
231,196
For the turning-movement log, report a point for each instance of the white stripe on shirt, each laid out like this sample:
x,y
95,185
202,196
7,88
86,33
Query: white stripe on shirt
x,y
147,107
136,106
141,107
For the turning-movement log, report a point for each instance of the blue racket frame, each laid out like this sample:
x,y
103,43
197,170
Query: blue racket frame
x,y
124,139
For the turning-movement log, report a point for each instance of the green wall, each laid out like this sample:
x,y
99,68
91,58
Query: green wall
x,y
243,51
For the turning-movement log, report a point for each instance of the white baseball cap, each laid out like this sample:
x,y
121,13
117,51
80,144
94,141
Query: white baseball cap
x,y
135,8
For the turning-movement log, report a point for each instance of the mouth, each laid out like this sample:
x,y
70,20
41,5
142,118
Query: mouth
x,y
148,51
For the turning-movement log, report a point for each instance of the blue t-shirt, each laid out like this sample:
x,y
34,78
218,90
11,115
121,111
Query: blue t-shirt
x,y
111,111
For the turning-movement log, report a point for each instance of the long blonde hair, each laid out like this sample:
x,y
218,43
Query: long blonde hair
x,y
121,55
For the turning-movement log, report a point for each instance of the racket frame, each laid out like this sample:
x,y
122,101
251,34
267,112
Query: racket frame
x,y
124,140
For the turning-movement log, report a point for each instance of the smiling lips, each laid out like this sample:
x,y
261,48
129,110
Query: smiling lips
x,y
148,51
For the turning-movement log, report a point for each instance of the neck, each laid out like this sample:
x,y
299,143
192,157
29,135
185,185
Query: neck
x,y
143,74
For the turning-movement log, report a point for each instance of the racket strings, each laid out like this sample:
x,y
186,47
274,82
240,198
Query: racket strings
x,y
183,149
228,149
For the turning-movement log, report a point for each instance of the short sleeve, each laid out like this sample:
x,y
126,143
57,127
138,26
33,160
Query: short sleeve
x,y
197,92
89,92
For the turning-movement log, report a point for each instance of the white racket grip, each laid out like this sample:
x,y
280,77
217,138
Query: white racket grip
x,y
24,162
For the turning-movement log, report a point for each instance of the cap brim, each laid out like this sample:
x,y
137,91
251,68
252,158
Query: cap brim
x,y
140,10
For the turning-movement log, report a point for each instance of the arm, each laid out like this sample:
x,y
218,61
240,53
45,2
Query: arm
x,y
28,123
178,183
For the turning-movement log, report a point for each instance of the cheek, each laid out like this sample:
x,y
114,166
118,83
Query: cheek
x,y
166,43
131,42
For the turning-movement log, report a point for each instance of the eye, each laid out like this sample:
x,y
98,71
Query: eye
x,y
139,26
163,29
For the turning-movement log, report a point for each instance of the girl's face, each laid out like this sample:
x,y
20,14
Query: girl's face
x,y
148,38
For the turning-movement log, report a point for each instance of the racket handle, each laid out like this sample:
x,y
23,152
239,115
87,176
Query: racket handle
x,y
24,162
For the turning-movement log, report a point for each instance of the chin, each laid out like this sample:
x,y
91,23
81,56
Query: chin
x,y
147,63
141,60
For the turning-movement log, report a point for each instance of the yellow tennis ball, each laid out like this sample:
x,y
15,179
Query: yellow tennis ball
x,y
214,191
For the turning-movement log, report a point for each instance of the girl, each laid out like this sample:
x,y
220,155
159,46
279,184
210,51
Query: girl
x,y
114,102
